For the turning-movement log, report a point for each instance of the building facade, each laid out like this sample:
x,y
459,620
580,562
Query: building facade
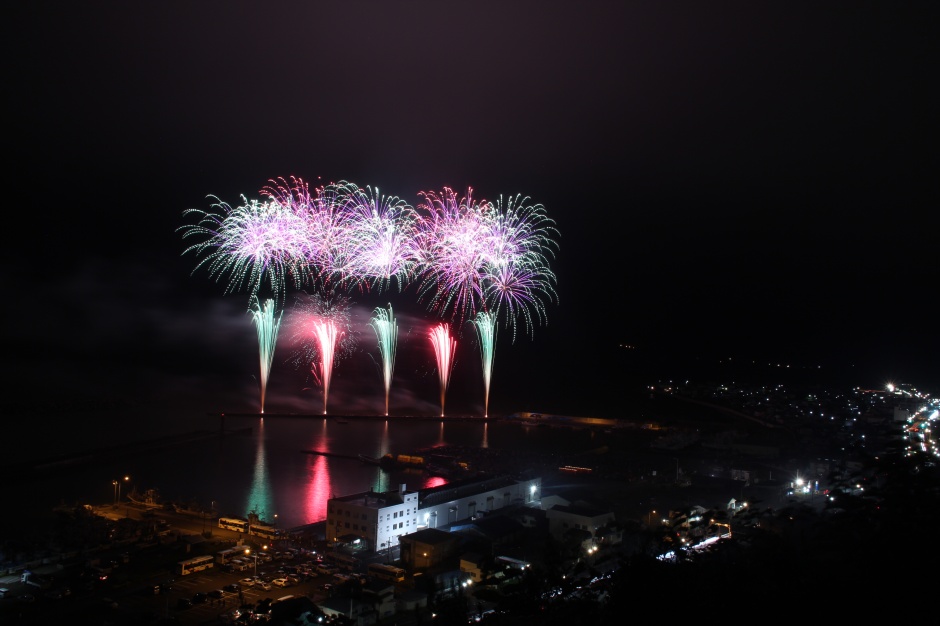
x,y
377,521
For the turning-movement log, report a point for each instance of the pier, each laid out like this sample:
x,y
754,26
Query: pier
x,y
335,455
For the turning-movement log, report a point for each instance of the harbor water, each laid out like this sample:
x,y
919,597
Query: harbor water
x,y
286,468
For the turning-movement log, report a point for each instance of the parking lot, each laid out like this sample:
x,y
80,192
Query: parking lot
x,y
143,595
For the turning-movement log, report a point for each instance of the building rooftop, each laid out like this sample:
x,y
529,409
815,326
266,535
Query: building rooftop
x,y
462,489
373,499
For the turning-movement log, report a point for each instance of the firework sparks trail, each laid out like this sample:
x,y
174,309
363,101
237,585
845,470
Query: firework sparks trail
x,y
386,331
327,336
452,247
323,336
330,226
516,275
485,325
267,327
381,239
250,242
444,348
327,217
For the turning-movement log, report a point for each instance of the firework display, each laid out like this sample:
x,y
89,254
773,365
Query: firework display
x,y
251,242
322,335
468,260
485,325
267,327
386,331
444,348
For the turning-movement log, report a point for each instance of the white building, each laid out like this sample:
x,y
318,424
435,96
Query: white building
x,y
377,520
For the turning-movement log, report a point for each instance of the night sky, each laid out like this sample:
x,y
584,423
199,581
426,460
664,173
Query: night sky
x,y
732,180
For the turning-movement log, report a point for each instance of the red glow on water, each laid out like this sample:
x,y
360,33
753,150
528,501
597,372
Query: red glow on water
x,y
318,487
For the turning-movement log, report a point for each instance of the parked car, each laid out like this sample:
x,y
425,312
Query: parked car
x,y
247,582
216,593
200,597
232,588
264,585
184,603
281,582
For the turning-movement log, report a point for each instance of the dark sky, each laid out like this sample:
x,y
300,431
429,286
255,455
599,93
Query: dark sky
x,y
741,180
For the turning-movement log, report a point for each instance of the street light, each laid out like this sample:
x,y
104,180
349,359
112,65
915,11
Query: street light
x,y
248,553
728,526
649,518
117,489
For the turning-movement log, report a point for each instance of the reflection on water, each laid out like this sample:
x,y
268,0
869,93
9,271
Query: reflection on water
x,y
268,469
382,483
300,494
318,488
260,499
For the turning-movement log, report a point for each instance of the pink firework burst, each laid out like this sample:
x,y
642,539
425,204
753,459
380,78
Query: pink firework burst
x,y
382,239
322,335
452,247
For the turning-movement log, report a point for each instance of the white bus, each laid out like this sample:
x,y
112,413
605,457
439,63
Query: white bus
x,y
342,561
195,564
265,532
225,557
386,572
233,523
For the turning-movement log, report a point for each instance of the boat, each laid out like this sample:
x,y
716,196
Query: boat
x,y
149,498
193,509
401,461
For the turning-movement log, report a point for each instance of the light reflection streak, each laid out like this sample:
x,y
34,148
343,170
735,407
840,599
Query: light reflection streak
x,y
260,496
318,489
381,484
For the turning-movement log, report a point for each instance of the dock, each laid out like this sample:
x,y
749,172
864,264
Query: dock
x,y
335,455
